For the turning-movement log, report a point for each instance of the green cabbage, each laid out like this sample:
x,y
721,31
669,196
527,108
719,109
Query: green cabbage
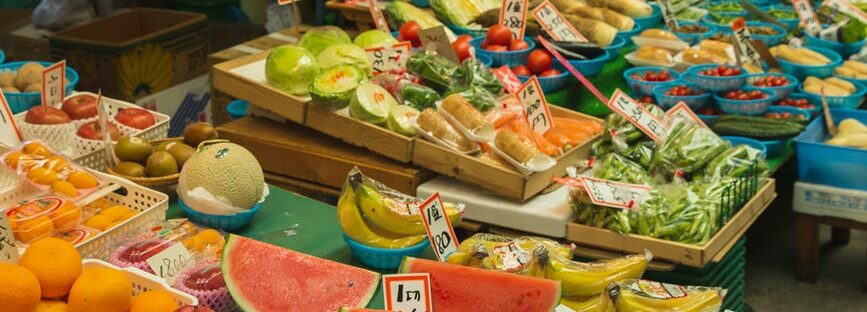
x,y
333,87
291,69
344,54
373,38
318,39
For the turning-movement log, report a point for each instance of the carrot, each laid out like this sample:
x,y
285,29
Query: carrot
x,y
523,130
501,117
557,138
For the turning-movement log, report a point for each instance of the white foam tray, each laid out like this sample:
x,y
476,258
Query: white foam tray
x,y
821,200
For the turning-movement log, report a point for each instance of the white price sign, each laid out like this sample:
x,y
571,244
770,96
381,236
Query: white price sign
x,y
536,108
170,262
435,39
8,250
513,14
442,236
389,59
102,111
563,308
681,112
848,8
746,52
407,292
53,84
668,13
9,133
807,16
506,76
615,194
555,24
378,18
510,256
637,115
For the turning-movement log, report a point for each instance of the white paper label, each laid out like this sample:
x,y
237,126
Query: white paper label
x,y
615,194
8,250
563,308
435,39
848,8
536,108
572,70
442,236
108,147
407,292
9,133
746,51
807,16
513,14
170,262
555,24
389,59
53,82
378,18
638,115
507,77
681,111
510,256
668,14
284,2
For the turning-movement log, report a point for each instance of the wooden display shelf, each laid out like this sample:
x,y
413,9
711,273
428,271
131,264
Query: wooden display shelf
x,y
359,133
686,254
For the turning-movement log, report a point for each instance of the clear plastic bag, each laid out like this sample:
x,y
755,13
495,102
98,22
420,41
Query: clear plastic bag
x,y
642,295
687,148
59,14
735,162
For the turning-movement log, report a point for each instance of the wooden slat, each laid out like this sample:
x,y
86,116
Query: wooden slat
x,y
375,138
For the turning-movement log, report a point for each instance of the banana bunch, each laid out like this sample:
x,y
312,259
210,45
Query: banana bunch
x,y
145,70
597,303
586,279
395,213
642,295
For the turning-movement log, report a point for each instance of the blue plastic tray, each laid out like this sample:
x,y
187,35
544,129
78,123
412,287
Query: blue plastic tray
x,y
382,258
831,165
511,58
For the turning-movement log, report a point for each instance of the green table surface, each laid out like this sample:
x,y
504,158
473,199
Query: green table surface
x,y
311,225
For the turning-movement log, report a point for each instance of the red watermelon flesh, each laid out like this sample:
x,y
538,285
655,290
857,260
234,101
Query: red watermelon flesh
x,y
459,288
266,278
342,309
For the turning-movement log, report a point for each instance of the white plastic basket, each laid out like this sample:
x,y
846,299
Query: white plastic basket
x,y
142,282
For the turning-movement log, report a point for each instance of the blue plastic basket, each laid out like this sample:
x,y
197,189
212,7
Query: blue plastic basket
x,y
627,34
485,59
591,67
382,258
613,49
650,21
791,23
223,222
237,108
775,147
642,87
711,22
845,50
551,83
781,91
743,12
850,101
693,38
458,30
737,140
789,109
2,57
714,83
820,71
826,164
20,102
510,58
695,102
769,40
747,107
817,105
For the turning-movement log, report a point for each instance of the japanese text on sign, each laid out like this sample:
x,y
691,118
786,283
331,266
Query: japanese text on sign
x,y
442,236
435,39
637,115
681,112
8,251
746,52
513,14
668,14
555,24
510,256
615,194
378,18
170,262
9,133
848,8
389,59
407,292
507,77
807,16
535,106
53,84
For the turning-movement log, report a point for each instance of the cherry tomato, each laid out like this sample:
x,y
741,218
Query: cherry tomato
x,y
522,70
409,32
550,72
496,48
462,49
518,45
539,61
499,35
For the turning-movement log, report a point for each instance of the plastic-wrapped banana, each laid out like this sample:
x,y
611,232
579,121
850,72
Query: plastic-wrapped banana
x,y
590,278
641,295
525,255
598,303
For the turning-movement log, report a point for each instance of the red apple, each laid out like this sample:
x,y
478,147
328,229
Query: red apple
x,y
142,251
207,279
80,106
91,130
138,118
191,308
46,115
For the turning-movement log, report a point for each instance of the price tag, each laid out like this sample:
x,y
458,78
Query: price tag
x,y
638,115
9,133
848,8
682,112
53,84
435,39
170,262
8,250
746,52
615,194
668,14
389,59
555,24
284,2
506,76
807,16
407,292
563,308
536,108
513,14
102,110
510,256
442,236
378,18
572,70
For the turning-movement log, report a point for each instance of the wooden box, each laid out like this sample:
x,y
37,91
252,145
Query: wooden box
x,y
686,254
135,53
358,14
375,138
29,43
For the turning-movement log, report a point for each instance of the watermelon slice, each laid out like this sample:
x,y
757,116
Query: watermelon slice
x,y
342,309
265,278
461,288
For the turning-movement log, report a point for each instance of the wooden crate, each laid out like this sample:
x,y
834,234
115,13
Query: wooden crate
x,y
358,14
375,138
686,254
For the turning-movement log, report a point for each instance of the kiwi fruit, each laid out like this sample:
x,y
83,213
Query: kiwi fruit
x,y
199,132
161,164
130,169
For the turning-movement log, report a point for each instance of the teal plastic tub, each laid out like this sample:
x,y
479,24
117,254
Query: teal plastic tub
x,y
383,258
20,102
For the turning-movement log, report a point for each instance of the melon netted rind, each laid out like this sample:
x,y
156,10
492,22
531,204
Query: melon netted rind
x,y
235,176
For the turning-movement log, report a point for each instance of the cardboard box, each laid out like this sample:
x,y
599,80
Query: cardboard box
x,y
29,43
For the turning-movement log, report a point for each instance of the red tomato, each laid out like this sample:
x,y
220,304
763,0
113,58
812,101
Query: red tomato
x,y
550,72
497,48
409,32
539,61
484,44
518,45
462,49
522,70
499,35
466,38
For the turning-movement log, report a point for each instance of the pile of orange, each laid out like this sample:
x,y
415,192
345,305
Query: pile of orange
x,y
42,166
39,218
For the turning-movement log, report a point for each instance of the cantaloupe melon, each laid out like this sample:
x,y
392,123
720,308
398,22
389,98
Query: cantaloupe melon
x,y
227,171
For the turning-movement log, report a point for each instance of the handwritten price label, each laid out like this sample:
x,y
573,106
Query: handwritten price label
x,y
378,18
8,251
510,256
746,52
638,115
170,262
615,194
681,112
807,16
389,59
668,14
9,133
536,108
506,76
435,39
513,14
53,84
555,24
848,8
407,292
442,236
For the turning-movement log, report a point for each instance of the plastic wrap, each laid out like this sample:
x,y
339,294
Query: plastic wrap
x,y
418,96
735,162
687,149
477,74
437,71
203,244
618,168
481,98
50,171
642,295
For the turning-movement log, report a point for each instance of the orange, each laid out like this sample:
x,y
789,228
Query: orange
x,y
51,306
34,229
36,149
42,176
115,213
194,243
19,288
153,301
12,159
64,187
56,264
82,180
99,222
67,216
100,289
57,163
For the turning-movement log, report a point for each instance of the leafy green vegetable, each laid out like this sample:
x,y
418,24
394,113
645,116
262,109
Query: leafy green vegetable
x,y
478,75
455,12
437,71
318,39
333,86
418,96
373,38
291,68
482,99
686,149
344,54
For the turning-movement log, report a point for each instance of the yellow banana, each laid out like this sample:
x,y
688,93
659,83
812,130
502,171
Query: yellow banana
x,y
597,303
588,279
394,216
354,226
693,299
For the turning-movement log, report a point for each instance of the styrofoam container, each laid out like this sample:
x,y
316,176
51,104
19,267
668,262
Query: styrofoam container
x,y
831,165
823,200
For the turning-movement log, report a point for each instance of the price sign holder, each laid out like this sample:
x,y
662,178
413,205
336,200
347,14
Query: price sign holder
x,y
407,292
668,14
615,194
435,39
536,109
170,262
513,15
507,77
439,229
54,84
378,18
747,54
108,147
8,250
555,24
572,70
636,114
9,133
682,111
807,16
389,59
